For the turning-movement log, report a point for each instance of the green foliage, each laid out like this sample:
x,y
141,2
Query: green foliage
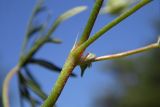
x,y
27,80
116,7
75,57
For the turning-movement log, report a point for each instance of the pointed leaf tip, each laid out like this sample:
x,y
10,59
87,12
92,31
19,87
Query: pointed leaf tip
x,y
72,12
48,65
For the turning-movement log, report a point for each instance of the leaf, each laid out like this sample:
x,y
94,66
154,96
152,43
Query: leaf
x,y
54,40
36,89
84,66
72,12
31,84
68,14
34,30
30,76
47,65
39,7
24,93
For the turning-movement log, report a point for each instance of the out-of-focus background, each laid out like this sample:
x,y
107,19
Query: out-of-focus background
x,y
127,82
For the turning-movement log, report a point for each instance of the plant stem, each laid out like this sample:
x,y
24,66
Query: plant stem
x,y
123,54
23,60
5,91
91,21
70,64
113,23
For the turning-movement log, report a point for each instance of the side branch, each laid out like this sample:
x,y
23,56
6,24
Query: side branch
x,y
91,21
5,91
113,23
123,54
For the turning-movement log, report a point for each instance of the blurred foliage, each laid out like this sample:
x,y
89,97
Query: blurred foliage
x,y
116,7
1,77
37,35
139,80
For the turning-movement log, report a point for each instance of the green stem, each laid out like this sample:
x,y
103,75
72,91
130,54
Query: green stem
x,y
61,81
91,21
123,54
5,88
72,60
34,49
113,23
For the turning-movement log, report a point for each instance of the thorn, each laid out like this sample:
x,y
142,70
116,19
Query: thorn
x,y
75,41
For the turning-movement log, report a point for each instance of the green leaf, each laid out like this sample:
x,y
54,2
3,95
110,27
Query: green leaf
x,y
32,85
54,40
83,68
39,7
68,14
36,89
47,65
34,30
116,7
72,12
30,76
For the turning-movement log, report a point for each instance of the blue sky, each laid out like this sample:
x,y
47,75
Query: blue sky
x,y
132,33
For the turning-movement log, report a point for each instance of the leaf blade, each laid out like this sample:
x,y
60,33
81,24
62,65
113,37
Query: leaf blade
x,y
66,15
48,65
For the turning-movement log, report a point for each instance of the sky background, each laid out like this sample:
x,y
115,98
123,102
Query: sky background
x,y
132,33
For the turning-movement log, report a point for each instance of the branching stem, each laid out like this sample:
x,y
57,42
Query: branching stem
x,y
113,23
71,62
91,21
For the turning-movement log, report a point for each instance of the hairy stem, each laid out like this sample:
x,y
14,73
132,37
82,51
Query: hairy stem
x,y
61,81
72,60
5,91
123,54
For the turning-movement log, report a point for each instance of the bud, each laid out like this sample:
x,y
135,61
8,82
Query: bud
x,y
85,62
116,7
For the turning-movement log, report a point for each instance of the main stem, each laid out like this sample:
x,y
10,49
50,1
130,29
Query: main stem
x,y
70,64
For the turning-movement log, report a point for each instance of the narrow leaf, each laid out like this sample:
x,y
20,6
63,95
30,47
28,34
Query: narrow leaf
x,y
39,7
34,30
54,40
72,12
47,65
30,76
68,14
36,89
